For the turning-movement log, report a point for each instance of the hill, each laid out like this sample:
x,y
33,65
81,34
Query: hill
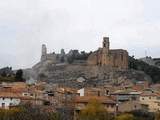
x,y
152,71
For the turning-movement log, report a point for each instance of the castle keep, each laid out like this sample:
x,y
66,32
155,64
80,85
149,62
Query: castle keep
x,y
105,56
116,58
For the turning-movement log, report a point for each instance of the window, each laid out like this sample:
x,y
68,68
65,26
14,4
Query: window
x,y
107,92
3,98
135,106
10,104
149,97
25,94
3,105
107,106
98,93
112,106
142,98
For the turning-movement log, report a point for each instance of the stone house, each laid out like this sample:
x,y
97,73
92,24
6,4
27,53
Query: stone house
x,y
150,100
126,95
90,91
129,106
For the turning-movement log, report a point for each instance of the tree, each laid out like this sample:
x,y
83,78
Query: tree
x,y
62,60
4,74
94,111
27,112
157,116
19,75
152,71
125,117
143,115
70,59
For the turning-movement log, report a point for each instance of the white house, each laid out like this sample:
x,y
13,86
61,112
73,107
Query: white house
x,y
81,92
8,100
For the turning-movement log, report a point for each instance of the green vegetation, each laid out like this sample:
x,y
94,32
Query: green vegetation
x,y
94,111
27,113
157,116
75,55
125,117
152,71
7,79
19,75
7,75
143,115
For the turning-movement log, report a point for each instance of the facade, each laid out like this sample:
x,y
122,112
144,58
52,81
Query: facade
x,y
124,95
104,56
89,91
129,106
151,101
8,100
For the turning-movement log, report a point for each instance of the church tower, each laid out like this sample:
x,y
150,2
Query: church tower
x,y
44,53
106,44
105,51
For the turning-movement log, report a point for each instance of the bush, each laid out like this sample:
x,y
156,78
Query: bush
x,y
94,111
19,75
27,113
125,117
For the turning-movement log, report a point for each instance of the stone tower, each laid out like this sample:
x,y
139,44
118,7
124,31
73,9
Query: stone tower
x,y
44,53
106,44
105,51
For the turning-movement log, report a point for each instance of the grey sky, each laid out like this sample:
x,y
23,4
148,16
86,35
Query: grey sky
x,y
76,24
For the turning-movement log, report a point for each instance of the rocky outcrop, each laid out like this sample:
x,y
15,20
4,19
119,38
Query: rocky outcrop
x,y
93,75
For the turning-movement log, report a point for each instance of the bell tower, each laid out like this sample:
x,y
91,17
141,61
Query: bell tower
x,y
106,44
44,53
105,51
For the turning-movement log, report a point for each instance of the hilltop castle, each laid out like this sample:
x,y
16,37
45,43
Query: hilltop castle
x,y
104,56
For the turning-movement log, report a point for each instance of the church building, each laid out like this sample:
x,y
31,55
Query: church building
x,y
115,58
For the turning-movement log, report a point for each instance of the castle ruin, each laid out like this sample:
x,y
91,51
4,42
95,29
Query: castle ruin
x,y
116,58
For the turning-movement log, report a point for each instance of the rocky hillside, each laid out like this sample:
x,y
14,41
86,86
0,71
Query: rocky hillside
x,y
92,75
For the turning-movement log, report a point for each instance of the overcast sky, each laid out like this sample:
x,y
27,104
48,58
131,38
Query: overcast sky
x,y
25,25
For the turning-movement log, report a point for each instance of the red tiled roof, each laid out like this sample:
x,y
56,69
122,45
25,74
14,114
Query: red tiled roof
x,y
150,94
86,99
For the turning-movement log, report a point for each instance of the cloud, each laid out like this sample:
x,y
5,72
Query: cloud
x,y
76,24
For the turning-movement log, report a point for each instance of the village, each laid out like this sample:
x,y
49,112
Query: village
x,y
51,97
117,96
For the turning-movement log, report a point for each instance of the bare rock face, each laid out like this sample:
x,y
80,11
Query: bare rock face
x,y
92,75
